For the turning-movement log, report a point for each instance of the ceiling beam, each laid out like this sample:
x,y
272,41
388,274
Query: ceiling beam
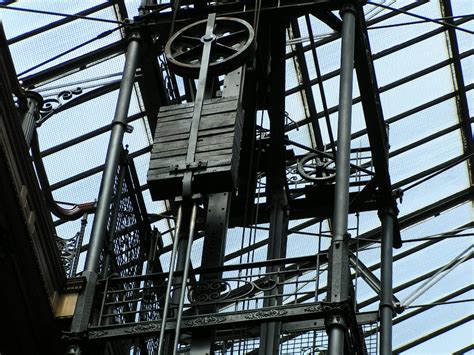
x,y
461,99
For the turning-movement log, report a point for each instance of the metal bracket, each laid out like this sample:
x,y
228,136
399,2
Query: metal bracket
x,y
179,168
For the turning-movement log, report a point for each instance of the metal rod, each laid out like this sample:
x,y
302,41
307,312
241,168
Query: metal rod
x,y
185,277
386,295
99,228
339,289
170,281
341,203
119,125
208,38
438,276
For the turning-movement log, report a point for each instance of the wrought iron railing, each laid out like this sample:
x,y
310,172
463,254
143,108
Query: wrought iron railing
x,y
242,287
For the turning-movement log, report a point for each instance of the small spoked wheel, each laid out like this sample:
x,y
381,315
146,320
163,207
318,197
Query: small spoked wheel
x,y
232,44
313,167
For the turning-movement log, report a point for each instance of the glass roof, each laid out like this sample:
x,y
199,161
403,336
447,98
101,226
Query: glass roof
x,y
430,142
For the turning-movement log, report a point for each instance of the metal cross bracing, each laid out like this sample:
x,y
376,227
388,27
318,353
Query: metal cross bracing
x,y
178,90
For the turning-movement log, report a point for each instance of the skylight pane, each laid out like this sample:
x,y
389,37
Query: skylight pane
x,y
59,40
416,92
422,124
381,39
30,21
453,180
395,66
425,156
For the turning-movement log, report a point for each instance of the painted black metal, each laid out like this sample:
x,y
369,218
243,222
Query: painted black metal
x,y
387,217
91,269
276,175
34,102
232,43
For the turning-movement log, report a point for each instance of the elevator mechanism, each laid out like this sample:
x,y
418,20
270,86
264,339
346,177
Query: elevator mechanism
x,y
222,159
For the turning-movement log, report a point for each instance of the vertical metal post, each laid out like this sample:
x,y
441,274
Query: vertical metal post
x,y
276,181
114,150
386,297
339,257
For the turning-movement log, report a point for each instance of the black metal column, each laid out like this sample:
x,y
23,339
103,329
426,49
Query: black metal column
x,y
114,150
339,274
387,217
276,178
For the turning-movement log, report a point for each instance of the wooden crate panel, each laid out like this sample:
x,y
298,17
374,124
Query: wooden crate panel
x,y
218,147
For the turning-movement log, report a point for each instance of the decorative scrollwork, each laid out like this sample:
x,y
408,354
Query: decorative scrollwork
x,y
314,308
51,105
69,251
266,314
216,291
203,321
97,333
140,328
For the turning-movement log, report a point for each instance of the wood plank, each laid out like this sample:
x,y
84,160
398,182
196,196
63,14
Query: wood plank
x,y
164,126
172,138
165,146
169,153
166,162
214,148
179,115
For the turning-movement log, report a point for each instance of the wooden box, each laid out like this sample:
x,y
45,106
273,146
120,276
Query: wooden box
x,y
217,153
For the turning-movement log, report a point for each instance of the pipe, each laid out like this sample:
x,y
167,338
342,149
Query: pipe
x,y
114,150
170,281
386,295
341,203
336,331
336,340
185,277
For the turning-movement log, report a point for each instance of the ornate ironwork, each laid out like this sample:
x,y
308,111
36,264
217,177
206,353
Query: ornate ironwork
x,y
140,328
206,320
266,314
52,104
129,231
70,249
241,287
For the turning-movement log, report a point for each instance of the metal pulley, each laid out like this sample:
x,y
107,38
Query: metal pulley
x,y
313,167
232,43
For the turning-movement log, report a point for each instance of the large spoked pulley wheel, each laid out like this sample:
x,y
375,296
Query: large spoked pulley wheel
x,y
232,42
313,167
